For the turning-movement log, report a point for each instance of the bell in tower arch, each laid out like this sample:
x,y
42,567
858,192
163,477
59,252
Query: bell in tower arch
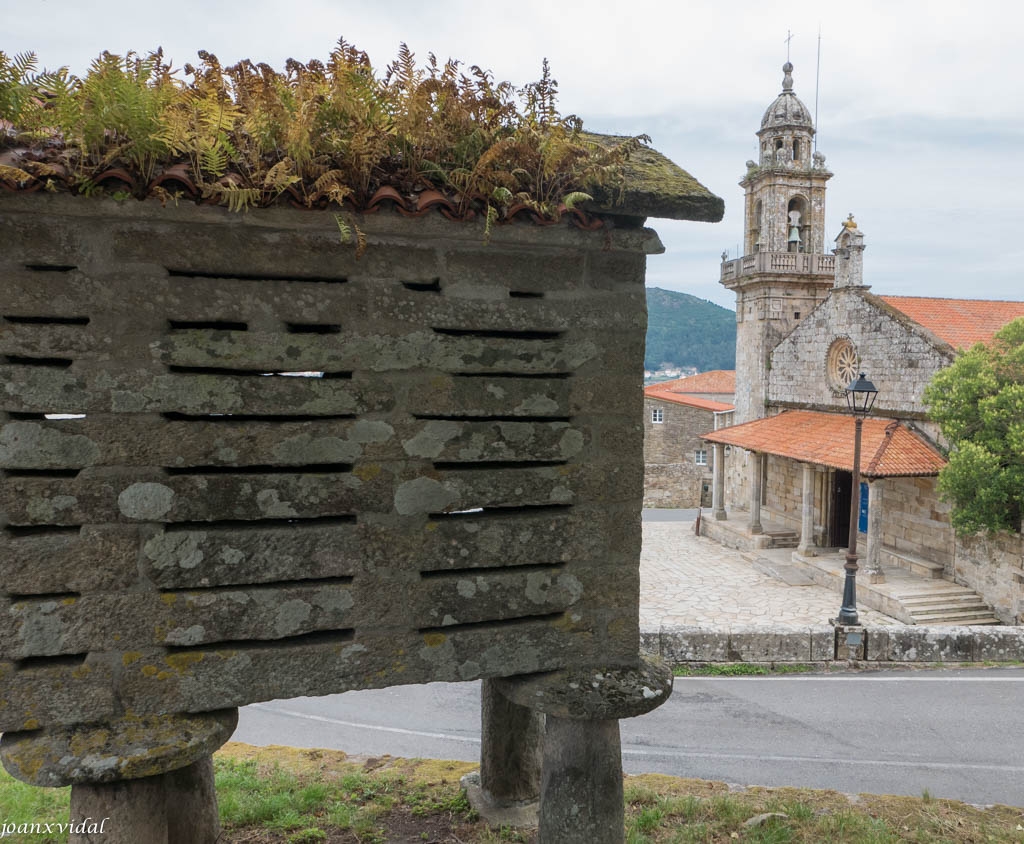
x,y
794,241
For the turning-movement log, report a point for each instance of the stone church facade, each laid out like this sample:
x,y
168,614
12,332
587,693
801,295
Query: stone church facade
x,y
807,325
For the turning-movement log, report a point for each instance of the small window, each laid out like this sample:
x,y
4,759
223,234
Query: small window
x,y
657,415
700,457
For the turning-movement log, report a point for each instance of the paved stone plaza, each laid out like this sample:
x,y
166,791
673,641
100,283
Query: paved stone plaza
x,y
689,580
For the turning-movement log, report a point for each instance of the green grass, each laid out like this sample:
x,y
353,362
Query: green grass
x,y
308,797
743,669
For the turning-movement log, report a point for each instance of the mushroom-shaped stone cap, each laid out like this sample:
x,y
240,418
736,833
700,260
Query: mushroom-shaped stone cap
x,y
593,694
787,110
129,748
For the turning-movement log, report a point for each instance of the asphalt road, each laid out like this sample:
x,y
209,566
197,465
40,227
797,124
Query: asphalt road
x,y
958,734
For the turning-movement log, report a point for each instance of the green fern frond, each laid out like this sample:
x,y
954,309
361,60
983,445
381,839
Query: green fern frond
x,y
14,175
573,198
235,197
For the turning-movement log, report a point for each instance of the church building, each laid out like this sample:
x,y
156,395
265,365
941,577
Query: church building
x,y
807,326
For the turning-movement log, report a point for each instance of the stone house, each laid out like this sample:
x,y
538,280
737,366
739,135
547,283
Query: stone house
x,y
807,325
677,463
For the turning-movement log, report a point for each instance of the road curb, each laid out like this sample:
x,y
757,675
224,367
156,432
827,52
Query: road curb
x,y
825,643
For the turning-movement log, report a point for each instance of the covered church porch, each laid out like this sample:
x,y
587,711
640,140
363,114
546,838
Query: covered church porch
x,y
798,468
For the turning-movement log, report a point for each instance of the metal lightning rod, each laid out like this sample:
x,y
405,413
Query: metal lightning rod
x,y
817,80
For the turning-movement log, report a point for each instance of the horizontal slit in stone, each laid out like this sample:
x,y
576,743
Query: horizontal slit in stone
x,y
174,416
423,286
489,571
16,414
502,512
250,277
42,473
305,469
525,294
45,596
497,624
258,373
64,661
256,587
18,532
51,268
53,363
313,327
526,376
496,465
425,417
261,524
500,333
46,320
210,324
323,637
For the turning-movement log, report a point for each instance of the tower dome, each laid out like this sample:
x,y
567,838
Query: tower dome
x,y
787,110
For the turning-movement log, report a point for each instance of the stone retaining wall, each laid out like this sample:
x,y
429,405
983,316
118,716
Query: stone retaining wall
x,y
893,645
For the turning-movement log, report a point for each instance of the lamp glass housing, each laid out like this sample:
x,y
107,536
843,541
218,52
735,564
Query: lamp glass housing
x,y
860,395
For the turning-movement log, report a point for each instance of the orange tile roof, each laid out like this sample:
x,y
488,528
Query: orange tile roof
x,y
713,381
689,401
888,449
960,322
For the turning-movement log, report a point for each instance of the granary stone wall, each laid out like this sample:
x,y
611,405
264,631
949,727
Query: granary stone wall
x,y
899,357
292,472
993,565
672,476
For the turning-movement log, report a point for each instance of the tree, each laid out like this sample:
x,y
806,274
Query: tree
x,y
979,405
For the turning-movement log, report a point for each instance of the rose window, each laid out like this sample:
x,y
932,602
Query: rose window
x,y
843,364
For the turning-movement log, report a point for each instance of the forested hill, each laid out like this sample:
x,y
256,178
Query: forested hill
x,y
686,331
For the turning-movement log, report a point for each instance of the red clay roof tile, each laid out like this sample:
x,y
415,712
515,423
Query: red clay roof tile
x,y
713,381
888,449
960,322
689,401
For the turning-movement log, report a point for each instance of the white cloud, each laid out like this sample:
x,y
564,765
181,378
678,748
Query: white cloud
x,y
919,109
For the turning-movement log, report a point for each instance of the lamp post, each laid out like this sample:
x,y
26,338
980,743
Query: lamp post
x,y
860,397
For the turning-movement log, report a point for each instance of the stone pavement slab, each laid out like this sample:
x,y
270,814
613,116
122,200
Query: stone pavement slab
x,y
688,580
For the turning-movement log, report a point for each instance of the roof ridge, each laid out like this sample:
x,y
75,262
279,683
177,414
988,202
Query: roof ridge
x,y
883,446
946,298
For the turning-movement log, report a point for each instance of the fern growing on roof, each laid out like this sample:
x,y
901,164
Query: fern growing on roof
x,y
323,133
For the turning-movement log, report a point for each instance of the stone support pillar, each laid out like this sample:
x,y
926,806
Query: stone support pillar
x,y
718,483
874,553
581,778
507,788
142,779
806,546
581,790
755,493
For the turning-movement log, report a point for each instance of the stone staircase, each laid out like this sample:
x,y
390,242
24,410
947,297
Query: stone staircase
x,y
937,601
780,537
951,604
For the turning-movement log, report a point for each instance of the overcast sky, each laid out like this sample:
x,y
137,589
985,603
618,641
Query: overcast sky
x,y
921,114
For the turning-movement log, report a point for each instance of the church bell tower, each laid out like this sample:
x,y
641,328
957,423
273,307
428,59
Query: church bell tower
x,y
784,272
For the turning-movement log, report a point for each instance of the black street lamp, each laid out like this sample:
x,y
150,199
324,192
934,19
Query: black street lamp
x,y
860,397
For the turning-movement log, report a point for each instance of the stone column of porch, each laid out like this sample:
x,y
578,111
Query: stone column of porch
x,y
718,483
873,559
806,548
755,493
